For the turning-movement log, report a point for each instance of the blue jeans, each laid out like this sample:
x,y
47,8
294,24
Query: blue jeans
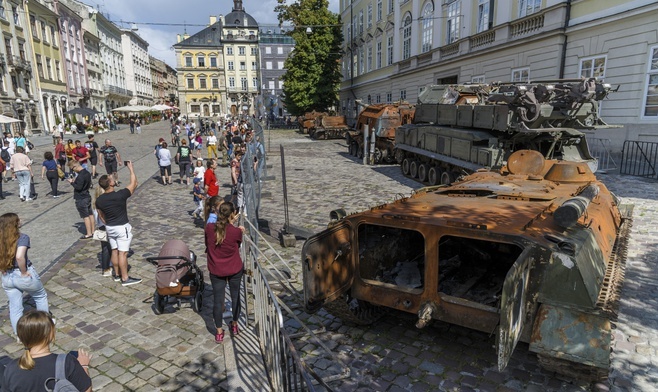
x,y
15,285
23,177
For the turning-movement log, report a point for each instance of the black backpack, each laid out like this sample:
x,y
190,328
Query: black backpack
x,y
5,155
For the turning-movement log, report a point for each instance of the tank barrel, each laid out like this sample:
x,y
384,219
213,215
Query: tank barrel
x,y
571,210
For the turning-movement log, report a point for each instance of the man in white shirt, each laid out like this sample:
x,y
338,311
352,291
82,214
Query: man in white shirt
x,y
211,142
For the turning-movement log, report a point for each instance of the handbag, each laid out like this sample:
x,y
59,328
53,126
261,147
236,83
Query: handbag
x,y
100,235
60,173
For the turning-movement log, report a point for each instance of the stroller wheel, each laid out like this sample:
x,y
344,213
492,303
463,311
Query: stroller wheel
x,y
198,301
159,302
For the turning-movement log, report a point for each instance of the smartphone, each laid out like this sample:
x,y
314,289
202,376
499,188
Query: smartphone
x,y
74,353
125,163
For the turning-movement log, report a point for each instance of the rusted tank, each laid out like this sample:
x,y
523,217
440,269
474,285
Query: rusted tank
x,y
307,121
534,252
383,119
458,129
329,127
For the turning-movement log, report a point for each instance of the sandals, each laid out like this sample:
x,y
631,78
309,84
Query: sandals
x,y
234,329
219,337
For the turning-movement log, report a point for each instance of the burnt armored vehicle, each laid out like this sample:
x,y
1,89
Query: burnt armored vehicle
x,y
459,129
534,252
307,121
382,119
329,127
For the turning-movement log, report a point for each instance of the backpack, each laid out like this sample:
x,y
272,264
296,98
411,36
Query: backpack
x,y
5,155
61,383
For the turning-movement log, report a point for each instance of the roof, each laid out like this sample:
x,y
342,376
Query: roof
x,y
210,37
238,17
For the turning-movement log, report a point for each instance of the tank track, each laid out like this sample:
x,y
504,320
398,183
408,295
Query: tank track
x,y
607,304
354,311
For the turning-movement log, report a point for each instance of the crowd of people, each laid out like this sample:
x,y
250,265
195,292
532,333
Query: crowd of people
x,y
76,162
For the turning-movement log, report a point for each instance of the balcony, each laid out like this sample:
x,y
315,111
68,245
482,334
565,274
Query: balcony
x,y
526,26
117,91
19,64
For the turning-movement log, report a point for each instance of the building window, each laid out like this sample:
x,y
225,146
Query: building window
x,y
243,66
202,83
231,82
254,66
270,85
268,65
279,50
593,67
254,51
39,66
201,61
362,68
229,50
428,27
243,84
403,95
369,18
478,79
389,51
241,50
521,75
215,83
231,66
44,34
378,55
361,22
190,83
280,84
8,46
391,7
280,65
651,100
254,83
379,10
188,61
378,98
33,26
389,97
49,67
369,58
58,73
406,37
484,15
195,108
454,13
213,62
268,50
53,36
2,12
17,19
527,7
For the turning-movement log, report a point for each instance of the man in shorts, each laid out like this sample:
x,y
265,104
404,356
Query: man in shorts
x,y
92,147
112,160
112,206
81,184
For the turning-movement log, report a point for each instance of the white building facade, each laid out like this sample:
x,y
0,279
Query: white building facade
x,y
137,67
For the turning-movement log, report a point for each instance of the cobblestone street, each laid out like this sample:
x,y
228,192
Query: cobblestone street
x,y
135,350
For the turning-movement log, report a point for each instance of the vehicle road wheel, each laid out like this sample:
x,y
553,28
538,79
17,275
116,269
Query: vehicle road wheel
x,y
198,301
354,311
405,166
378,155
413,169
422,172
447,178
432,176
158,302
399,156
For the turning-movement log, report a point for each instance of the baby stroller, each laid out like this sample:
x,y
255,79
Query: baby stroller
x,y
176,275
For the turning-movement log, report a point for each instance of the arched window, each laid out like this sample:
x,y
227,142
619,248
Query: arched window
x,y
406,37
428,25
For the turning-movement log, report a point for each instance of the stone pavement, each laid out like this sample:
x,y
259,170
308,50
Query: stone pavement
x,y
137,350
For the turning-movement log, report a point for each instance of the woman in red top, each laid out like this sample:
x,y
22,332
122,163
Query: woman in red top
x,y
210,182
223,241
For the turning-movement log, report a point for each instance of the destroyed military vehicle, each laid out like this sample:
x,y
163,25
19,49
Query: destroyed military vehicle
x,y
328,127
306,122
458,129
382,121
534,252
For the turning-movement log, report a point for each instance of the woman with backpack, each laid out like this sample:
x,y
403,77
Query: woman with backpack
x,y
184,160
37,367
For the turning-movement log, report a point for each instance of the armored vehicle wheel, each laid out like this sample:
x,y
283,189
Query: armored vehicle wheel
x,y
399,156
405,166
354,311
413,169
378,155
575,370
447,178
159,302
197,304
422,172
433,176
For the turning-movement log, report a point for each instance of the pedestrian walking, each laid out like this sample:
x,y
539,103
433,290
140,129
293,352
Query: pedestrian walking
x,y
68,148
198,144
18,274
111,159
37,367
106,249
223,241
49,170
210,183
60,153
184,160
81,184
198,197
211,142
21,166
81,155
164,160
112,207
92,147
5,154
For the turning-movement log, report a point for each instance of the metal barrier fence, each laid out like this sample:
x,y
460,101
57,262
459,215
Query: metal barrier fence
x,y
600,149
639,159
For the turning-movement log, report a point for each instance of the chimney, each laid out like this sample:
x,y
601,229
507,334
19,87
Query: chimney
x,y
221,19
186,36
213,19
178,38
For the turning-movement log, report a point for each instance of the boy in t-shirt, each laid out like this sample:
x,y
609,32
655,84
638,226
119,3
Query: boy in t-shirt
x,y
197,191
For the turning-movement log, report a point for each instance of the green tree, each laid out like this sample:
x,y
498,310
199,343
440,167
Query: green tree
x,y
313,74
